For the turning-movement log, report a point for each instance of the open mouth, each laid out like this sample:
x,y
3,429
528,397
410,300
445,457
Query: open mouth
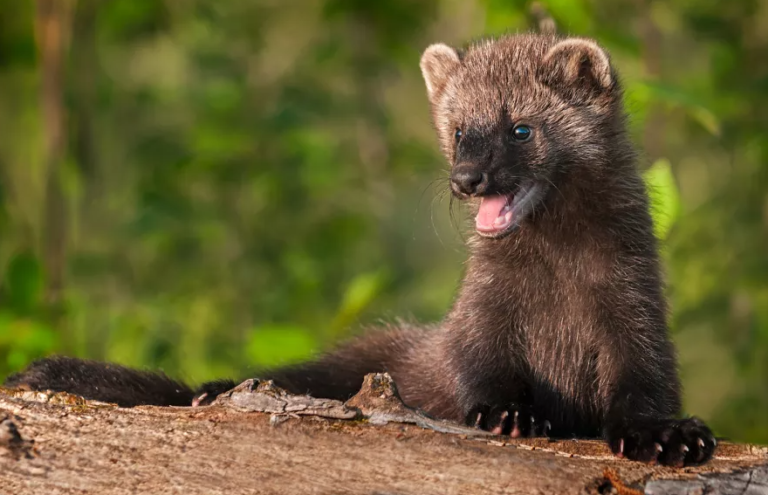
x,y
501,213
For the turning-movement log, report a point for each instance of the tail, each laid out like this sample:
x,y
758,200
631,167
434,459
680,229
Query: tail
x,y
102,381
337,375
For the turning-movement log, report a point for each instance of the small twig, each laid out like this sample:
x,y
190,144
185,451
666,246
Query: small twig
x,y
544,22
613,478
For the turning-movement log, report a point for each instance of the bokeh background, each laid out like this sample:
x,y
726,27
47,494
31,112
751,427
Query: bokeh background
x,y
211,186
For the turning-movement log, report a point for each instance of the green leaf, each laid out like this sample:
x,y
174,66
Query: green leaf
x,y
665,198
361,291
278,345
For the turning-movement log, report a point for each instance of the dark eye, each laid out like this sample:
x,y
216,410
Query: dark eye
x,y
458,134
521,133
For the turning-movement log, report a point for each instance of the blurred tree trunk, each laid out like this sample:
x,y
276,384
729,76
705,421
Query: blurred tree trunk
x,y
52,26
84,62
652,43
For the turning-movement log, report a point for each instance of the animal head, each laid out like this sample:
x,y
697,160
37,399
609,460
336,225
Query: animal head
x,y
518,115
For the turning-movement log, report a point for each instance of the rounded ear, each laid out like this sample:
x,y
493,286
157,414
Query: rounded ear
x,y
438,63
578,67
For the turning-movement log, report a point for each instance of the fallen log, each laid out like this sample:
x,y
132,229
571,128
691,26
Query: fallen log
x,y
259,439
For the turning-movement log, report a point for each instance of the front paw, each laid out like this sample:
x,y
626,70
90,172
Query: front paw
x,y
513,420
669,442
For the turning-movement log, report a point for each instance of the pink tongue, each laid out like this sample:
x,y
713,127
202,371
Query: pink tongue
x,y
490,210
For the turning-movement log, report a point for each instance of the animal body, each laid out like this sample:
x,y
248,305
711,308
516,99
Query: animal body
x,y
560,324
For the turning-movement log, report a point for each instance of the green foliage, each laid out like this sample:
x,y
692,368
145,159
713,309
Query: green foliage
x,y
650,91
24,335
23,285
249,181
23,339
571,15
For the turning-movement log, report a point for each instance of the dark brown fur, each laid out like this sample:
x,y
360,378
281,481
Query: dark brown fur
x,y
562,320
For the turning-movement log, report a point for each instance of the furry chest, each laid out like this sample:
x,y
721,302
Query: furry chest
x,y
561,352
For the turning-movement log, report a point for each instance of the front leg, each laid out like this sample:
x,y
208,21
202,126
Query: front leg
x,y
642,415
488,365
500,400
637,374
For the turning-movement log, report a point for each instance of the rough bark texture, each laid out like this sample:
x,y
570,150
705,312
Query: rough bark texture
x,y
258,439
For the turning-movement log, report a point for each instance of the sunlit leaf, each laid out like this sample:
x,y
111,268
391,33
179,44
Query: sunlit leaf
x,y
361,291
706,118
276,345
665,198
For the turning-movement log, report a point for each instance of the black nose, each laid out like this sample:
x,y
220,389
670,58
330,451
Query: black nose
x,y
469,180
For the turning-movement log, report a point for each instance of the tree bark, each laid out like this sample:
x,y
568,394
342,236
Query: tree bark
x,y
61,444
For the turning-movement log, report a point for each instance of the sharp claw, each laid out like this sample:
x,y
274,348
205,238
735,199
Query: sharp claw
x,y
659,448
621,448
701,443
197,400
477,421
515,432
547,426
499,428
684,448
714,441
